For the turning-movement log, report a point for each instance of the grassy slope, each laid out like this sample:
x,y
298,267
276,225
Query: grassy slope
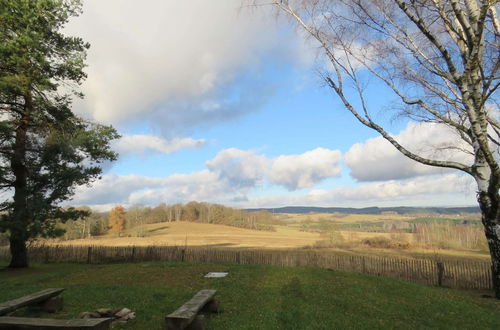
x,y
202,234
256,297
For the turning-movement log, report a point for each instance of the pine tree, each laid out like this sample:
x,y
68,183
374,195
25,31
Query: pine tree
x,y
45,149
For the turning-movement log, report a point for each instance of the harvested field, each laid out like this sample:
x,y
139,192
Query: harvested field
x,y
200,234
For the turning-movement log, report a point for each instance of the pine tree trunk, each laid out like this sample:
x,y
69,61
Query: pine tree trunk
x,y
490,208
20,214
18,251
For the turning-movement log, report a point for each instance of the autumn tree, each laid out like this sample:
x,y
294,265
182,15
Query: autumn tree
x,y
439,58
45,149
116,221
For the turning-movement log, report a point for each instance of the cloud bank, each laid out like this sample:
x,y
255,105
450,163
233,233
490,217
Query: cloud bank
x,y
229,176
233,176
176,63
140,143
377,160
305,170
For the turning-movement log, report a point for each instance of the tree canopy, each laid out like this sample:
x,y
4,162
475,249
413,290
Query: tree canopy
x,y
45,149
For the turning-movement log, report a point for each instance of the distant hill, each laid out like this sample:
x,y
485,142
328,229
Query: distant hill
x,y
370,210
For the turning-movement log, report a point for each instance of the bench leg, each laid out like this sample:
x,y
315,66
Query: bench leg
x,y
51,305
213,306
199,323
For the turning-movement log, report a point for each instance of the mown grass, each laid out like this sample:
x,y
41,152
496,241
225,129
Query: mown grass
x,y
255,297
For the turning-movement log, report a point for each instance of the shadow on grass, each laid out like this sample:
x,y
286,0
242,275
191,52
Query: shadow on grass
x,y
219,244
291,315
158,229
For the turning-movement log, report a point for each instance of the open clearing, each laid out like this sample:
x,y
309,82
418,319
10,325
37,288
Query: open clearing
x,y
254,297
285,237
200,234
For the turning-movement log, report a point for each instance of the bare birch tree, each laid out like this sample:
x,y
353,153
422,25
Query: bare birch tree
x,y
440,59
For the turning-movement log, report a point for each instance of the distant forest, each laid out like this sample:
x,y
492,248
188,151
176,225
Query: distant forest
x,y
369,210
121,221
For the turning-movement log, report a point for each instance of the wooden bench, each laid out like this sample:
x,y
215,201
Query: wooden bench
x,y
31,299
25,323
187,316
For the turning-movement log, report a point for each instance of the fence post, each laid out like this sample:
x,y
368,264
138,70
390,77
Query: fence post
x,y
89,254
47,254
133,253
440,273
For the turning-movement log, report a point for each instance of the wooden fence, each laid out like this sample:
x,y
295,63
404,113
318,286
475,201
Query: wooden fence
x,y
454,274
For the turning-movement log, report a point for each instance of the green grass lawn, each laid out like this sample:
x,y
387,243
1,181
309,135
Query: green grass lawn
x,y
254,297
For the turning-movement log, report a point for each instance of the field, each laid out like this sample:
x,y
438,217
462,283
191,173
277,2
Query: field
x,y
419,235
255,297
200,234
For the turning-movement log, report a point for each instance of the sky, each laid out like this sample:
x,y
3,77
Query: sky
x,y
221,103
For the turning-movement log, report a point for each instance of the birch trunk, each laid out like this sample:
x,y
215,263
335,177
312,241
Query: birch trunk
x,y
489,202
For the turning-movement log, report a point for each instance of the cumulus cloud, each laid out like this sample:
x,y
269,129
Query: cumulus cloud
x,y
239,168
305,170
113,188
435,190
229,177
140,143
377,160
171,59
233,174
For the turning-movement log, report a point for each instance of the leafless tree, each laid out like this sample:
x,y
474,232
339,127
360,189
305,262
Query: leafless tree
x,y
441,60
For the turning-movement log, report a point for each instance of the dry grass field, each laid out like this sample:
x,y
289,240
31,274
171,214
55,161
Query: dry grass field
x,y
285,237
342,217
200,234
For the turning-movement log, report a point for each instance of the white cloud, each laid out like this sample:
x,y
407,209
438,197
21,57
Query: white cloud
x,y
239,168
305,170
171,59
233,176
377,160
435,190
141,143
229,176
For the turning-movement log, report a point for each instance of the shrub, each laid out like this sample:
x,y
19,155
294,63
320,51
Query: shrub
x,y
385,243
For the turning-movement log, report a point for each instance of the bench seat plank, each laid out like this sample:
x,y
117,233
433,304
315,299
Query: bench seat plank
x,y
193,306
8,322
185,314
12,305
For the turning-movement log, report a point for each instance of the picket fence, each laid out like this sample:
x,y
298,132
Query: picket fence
x,y
453,274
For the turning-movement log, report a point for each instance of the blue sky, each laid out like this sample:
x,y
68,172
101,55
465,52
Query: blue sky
x,y
222,104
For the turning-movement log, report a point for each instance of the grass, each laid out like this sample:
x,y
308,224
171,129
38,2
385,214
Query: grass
x,y
255,297
285,237
202,234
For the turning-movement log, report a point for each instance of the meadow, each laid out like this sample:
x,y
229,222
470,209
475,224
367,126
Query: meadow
x,y
254,296
417,235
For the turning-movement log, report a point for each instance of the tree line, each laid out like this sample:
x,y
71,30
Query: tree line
x,y
119,220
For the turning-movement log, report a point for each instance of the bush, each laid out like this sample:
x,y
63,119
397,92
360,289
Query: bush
x,y
385,243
